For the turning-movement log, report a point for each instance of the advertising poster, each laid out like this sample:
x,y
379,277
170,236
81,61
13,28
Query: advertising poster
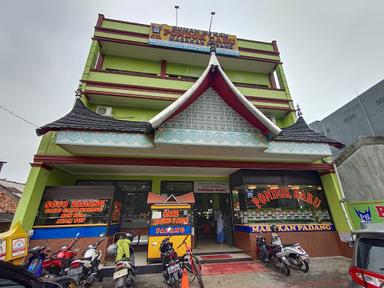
x,y
3,249
18,247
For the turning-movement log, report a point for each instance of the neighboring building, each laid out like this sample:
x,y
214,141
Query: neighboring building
x,y
359,125
10,193
360,168
156,111
362,116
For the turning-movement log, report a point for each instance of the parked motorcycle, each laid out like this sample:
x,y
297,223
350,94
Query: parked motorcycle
x,y
273,254
124,275
297,257
35,261
86,271
172,271
60,260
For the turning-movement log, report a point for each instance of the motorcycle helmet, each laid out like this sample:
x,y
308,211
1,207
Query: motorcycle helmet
x,y
129,236
274,229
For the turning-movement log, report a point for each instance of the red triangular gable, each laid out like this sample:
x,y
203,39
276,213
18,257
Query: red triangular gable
x,y
214,77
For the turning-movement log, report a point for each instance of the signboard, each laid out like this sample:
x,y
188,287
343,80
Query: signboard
x,y
286,192
66,212
3,249
369,212
18,247
285,228
169,217
192,39
211,187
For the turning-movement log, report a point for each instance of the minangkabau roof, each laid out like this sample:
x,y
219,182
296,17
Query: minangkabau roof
x,y
81,118
301,132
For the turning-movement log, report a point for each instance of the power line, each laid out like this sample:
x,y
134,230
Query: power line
x,y
21,118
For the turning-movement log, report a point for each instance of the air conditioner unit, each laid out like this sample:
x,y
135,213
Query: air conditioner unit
x,y
104,111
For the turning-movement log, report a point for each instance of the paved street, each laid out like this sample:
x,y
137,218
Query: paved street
x,y
324,272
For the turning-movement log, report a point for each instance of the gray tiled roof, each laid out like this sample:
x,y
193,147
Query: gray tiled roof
x,y
81,118
301,132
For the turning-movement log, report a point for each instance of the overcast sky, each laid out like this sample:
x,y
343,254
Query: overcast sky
x,y
329,49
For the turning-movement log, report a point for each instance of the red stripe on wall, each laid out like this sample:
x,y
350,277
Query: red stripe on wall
x,y
50,159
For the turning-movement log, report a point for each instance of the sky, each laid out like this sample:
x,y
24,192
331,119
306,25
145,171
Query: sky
x,y
331,50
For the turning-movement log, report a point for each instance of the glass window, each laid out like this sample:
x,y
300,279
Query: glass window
x,y
370,254
261,203
176,188
133,197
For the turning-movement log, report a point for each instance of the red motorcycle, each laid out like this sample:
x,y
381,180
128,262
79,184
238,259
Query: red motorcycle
x,y
60,260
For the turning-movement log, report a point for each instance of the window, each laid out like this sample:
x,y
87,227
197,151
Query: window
x,y
370,255
133,197
262,203
176,188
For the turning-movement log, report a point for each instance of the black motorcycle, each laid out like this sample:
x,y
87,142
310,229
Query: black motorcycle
x,y
273,254
171,266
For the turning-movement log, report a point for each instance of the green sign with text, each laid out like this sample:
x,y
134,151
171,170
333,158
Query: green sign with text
x,y
369,212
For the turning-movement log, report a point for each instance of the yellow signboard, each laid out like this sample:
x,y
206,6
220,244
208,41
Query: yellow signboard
x,y
192,39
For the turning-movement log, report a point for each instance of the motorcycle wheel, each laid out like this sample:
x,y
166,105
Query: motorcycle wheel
x,y
66,282
187,265
285,269
120,282
100,276
176,281
304,266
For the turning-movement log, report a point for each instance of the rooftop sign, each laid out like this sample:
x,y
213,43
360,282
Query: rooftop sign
x,y
192,39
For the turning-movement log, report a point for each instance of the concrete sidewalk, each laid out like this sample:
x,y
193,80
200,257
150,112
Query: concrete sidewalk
x,y
324,272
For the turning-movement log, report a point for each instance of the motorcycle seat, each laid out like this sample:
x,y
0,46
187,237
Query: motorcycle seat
x,y
290,244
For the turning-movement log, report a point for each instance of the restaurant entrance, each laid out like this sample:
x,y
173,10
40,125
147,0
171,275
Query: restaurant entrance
x,y
207,210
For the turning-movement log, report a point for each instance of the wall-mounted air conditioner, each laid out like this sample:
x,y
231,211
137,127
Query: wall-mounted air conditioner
x,y
104,111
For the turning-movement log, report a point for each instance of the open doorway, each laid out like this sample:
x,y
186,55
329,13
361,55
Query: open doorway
x,y
206,211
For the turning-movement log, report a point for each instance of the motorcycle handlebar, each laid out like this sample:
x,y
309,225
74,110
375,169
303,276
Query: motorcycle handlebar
x,y
184,242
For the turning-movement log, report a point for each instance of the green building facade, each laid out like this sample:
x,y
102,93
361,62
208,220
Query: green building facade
x,y
172,110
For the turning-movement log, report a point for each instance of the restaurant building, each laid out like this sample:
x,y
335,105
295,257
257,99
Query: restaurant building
x,y
173,110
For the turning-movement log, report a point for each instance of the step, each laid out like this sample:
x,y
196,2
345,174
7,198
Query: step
x,y
224,257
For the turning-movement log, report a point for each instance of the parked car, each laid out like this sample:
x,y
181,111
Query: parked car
x,y
12,276
367,268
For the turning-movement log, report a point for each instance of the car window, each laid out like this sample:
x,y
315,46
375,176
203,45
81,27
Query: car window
x,y
370,255
9,283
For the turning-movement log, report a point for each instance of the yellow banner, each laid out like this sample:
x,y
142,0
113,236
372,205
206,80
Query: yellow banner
x,y
192,39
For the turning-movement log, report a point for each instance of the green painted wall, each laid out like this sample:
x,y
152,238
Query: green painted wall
x,y
91,59
126,26
333,195
48,146
129,64
156,180
131,113
30,200
248,77
184,70
286,121
60,178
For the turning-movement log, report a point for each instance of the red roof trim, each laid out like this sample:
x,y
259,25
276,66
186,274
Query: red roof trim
x,y
225,92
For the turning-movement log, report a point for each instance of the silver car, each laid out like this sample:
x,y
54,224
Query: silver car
x,y
367,268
